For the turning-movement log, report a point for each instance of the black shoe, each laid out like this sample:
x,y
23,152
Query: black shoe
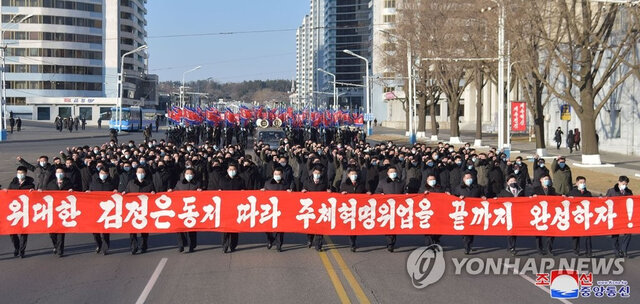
x,y
467,251
390,248
319,249
512,251
191,249
55,251
15,253
134,251
269,245
542,252
225,249
279,248
353,248
589,254
98,249
308,244
143,250
577,253
60,255
22,254
105,249
180,249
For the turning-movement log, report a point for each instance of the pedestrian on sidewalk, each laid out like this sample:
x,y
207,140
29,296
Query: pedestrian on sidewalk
x,y
76,123
19,124
100,123
12,123
576,139
157,122
570,141
84,122
558,137
70,125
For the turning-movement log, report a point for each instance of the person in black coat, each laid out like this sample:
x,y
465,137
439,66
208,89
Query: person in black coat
x,y
188,183
539,170
276,183
432,186
73,174
544,189
353,185
620,189
580,190
20,182
391,185
231,181
513,189
43,171
140,184
102,182
317,182
124,176
60,183
161,177
495,179
468,189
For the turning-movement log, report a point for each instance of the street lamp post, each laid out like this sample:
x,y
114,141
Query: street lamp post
x,y
368,109
121,84
335,92
182,87
3,101
410,91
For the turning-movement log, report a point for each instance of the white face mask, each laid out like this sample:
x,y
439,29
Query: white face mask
x,y
188,177
393,175
140,176
59,175
622,186
317,176
353,177
277,178
432,182
232,173
20,176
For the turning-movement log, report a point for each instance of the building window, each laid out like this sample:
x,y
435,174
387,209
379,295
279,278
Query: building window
x,y
44,113
64,112
389,18
389,89
389,75
389,3
105,113
86,112
428,108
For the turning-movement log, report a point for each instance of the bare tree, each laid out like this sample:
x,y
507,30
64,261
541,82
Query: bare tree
x,y
593,41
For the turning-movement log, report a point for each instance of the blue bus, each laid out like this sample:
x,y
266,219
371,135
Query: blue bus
x,y
133,118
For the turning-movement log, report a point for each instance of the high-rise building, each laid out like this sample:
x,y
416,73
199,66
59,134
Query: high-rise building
x,y
64,58
347,26
309,41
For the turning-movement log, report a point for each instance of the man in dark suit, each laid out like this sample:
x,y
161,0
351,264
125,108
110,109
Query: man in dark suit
x,y
391,185
317,182
231,181
188,183
620,189
544,189
353,185
432,186
513,189
580,190
141,183
277,183
20,182
59,183
468,189
102,182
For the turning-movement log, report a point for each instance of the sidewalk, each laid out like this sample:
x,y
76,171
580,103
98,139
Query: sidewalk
x,y
33,131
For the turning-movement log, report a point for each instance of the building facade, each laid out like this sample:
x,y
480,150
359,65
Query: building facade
x,y
64,59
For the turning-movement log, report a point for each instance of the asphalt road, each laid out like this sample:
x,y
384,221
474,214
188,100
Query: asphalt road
x,y
254,274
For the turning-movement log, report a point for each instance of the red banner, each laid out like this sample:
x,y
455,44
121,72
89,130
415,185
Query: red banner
x,y
317,212
518,116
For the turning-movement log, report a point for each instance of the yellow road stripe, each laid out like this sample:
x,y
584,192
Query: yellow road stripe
x,y
342,294
355,286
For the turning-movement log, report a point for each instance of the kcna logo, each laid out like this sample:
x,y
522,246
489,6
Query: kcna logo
x,y
426,265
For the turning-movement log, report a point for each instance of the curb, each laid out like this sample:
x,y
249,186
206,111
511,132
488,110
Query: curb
x,y
56,139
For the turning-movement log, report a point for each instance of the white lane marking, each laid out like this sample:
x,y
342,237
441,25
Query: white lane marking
x,y
152,281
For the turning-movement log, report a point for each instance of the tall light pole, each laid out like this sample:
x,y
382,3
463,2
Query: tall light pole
x,y
410,91
501,90
335,92
368,109
182,87
121,84
3,101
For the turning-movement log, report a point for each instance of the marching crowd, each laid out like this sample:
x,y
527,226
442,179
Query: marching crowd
x,y
349,165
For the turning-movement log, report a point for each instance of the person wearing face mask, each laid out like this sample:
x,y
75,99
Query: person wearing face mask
x,y
102,182
161,177
620,189
372,174
73,173
468,189
317,182
276,183
187,183
125,174
539,170
580,190
353,185
20,182
513,189
60,183
561,175
391,185
44,171
413,175
522,177
455,172
544,189
432,186
231,181
140,183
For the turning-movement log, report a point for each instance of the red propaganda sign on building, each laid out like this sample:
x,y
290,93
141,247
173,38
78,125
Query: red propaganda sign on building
x,y
518,116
